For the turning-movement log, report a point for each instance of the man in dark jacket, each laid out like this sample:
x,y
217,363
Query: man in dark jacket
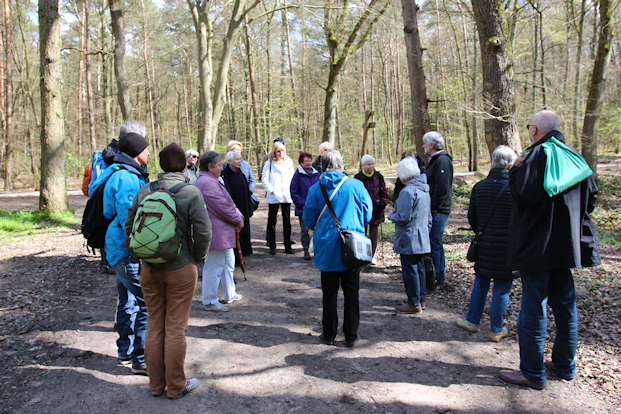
x,y
549,235
440,179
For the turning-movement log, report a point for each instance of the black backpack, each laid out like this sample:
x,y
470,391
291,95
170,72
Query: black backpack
x,y
94,224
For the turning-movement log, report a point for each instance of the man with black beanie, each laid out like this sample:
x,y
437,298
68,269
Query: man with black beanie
x,y
168,290
122,180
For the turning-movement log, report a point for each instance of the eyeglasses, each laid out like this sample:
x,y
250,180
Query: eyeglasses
x,y
193,156
529,125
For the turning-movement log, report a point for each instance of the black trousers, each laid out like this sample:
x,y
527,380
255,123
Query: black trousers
x,y
285,209
349,280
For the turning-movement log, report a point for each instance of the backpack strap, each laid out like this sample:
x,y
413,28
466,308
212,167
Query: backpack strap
x,y
177,187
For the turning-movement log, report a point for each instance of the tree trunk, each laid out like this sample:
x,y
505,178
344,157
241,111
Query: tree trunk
x,y
118,28
418,89
149,83
89,80
53,194
8,108
500,124
253,93
598,84
578,85
340,52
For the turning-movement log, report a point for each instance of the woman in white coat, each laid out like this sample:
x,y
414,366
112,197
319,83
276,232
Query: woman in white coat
x,y
276,179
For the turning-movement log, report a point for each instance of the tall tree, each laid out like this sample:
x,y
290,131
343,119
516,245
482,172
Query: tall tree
x,y
118,28
7,106
342,45
418,88
53,195
500,123
598,84
211,104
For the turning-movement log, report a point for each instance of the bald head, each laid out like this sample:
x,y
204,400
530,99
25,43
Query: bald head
x,y
541,123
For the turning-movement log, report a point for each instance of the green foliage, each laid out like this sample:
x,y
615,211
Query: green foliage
x,y
461,195
14,223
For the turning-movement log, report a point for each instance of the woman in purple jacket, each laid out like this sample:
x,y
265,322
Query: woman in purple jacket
x,y
226,220
303,178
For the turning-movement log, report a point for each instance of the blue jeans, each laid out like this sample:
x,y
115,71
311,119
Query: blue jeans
x,y
500,299
131,312
413,273
555,287
438,223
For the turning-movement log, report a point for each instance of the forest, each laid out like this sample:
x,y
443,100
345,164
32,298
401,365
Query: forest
x,y
203,72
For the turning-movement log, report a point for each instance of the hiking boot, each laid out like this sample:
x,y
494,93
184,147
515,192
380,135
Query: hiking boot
x,y
497,337
307,256
140,369
216,307
288,250
191,385
408,308
467,326
272,251
235,297
517,378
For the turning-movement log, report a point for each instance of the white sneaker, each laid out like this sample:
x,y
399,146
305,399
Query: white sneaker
x,y
235,297
467,326
216,307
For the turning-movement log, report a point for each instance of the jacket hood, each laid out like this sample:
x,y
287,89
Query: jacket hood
x,y
419,182
331,179
301,170
556,134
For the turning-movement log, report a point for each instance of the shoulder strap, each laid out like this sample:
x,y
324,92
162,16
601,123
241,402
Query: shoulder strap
x,y
332,196
493,207
177,187
337,223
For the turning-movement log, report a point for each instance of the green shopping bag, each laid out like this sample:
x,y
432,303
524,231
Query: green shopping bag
x,y
564,167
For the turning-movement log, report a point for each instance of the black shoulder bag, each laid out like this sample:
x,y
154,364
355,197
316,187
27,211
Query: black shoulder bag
x,y
474,244
356,248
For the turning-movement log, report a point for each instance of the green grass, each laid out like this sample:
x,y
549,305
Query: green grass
x,y
20,223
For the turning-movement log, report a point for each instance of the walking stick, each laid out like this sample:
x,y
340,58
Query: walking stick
x,y
242,264
382,242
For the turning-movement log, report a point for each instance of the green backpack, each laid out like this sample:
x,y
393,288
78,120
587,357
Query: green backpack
x,y
155,236
564,167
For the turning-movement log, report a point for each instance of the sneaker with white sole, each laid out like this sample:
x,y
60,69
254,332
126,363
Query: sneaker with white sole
x,y
467,326
216,307
191,385
235,297
140,369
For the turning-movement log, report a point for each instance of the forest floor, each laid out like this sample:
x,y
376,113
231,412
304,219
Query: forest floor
x,y
59,352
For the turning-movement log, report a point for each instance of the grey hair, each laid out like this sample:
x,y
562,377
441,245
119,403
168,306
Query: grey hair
x,y
332,161
546,121
434,138
230,155
133,126
366,158
502,157
324,145
208,159
191,152
408,169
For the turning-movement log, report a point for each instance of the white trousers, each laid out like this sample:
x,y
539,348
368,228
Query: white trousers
x,y
219,267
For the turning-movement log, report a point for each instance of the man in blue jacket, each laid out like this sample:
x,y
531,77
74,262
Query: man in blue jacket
x,y
353,207
122,181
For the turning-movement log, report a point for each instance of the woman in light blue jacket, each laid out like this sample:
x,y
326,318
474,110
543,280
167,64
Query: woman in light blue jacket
x,y
412,218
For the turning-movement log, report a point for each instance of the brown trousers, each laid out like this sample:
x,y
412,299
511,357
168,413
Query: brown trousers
x,y
168,313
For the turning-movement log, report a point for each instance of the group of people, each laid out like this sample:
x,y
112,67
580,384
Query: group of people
x,y
524,232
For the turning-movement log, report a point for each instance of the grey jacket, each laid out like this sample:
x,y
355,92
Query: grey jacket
x,y
412,218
